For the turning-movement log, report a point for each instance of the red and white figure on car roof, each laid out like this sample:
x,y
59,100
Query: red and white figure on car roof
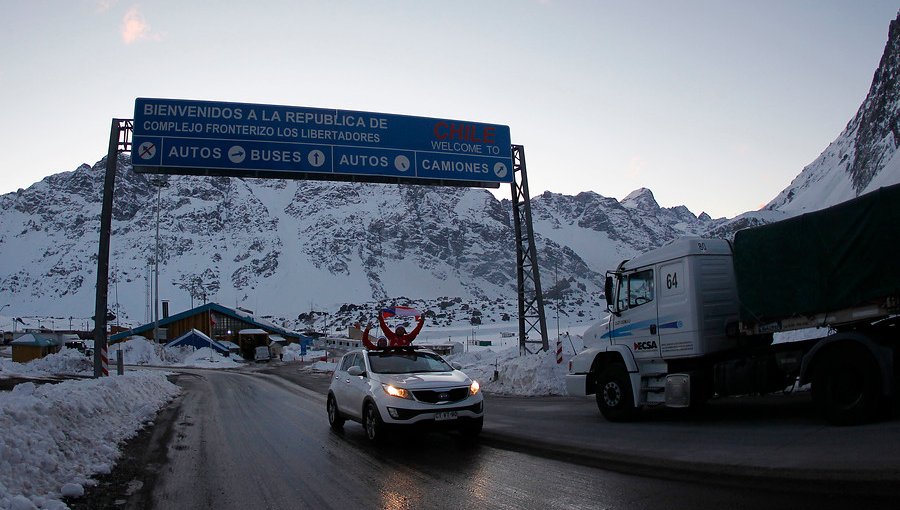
x,y
398,337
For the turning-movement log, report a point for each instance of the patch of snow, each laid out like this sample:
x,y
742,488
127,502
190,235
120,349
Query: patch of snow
x,y
57,436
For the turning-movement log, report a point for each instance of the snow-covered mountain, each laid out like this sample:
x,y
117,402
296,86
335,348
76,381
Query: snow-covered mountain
x,y
285,247
864,156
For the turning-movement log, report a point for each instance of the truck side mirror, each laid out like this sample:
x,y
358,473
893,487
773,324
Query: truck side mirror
x,y
608,291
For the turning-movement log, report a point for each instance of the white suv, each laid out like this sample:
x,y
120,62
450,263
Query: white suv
x,y
403,386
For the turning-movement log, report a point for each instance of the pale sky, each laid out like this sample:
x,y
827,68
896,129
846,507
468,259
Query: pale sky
x,y
716,105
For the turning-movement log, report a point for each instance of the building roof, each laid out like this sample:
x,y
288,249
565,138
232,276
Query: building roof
x,y
253,331
209,307
278,338
197,339
35,340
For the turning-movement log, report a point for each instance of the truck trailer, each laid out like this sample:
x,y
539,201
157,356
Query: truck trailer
x,y
695,319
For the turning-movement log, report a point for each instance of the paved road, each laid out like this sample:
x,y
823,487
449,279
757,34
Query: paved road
x,y
778,442
252,439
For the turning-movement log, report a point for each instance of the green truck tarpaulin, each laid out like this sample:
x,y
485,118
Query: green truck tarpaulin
x,y
840,257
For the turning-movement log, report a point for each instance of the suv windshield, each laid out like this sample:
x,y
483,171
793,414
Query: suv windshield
x,y
407,362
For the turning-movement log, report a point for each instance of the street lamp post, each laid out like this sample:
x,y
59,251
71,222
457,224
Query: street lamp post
x,y
160,183
14,323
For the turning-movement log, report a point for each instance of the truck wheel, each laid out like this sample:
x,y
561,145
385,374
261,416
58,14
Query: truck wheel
x,y
846,387
614,397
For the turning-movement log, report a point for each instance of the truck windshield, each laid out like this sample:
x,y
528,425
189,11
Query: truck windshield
x,y
407,362
636,289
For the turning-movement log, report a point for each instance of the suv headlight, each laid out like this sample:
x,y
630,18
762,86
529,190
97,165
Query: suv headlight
x,y
396,392
474,388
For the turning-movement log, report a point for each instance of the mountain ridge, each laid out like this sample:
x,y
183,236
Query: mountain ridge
x,y
316,243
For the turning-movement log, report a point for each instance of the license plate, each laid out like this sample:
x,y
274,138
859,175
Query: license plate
x,y
444,416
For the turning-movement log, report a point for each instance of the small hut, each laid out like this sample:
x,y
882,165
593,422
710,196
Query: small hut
x,y
31,346
251,338
276,345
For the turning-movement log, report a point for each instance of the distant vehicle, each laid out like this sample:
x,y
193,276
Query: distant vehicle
x,y
75,344
79,345
695,319
402,387
262,354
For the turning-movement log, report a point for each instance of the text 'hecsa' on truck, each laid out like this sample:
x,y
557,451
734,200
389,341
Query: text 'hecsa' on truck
x,y
695,319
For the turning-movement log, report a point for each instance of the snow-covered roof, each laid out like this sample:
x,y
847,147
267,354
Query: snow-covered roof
x,y
253,332
35,339
197,339
242,315
278,338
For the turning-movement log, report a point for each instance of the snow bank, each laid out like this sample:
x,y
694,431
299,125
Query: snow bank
x,y
529,375
137,350
64,362
292,353
57,436
320,366
206,358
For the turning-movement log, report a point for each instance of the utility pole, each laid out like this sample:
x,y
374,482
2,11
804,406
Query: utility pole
x,y
160,183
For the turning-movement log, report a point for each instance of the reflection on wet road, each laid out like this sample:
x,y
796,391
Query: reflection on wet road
x,y
252,440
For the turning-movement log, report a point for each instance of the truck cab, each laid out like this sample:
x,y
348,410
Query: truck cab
x,y
669,306
674,302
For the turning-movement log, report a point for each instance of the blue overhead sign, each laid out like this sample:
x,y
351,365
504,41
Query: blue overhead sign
x,y
181,136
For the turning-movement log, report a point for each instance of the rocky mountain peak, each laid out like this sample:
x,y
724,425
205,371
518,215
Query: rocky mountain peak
x,y
641,198
877,124
863,157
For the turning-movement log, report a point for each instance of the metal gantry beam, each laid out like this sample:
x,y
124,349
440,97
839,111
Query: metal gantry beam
x,y
119,141
531,299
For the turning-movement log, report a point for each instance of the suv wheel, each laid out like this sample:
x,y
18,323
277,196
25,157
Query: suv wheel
x,y
373,424
335,420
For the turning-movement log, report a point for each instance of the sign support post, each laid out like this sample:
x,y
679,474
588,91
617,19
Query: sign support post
x,y
119,141
531,297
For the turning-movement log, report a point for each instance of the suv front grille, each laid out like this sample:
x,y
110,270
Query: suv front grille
x,y
443,396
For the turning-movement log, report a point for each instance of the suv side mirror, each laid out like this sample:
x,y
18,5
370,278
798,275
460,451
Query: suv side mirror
x,y
355,371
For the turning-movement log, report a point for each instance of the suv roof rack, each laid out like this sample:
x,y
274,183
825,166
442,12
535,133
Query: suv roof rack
x,y
396,348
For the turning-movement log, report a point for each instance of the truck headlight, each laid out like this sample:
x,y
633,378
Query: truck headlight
x,y
474,388
396,392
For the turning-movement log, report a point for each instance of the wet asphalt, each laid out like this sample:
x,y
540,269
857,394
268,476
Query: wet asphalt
x,y
777,441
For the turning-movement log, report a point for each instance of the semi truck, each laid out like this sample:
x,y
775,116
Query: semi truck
x,y
696,319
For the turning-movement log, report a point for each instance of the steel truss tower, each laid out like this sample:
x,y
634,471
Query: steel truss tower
x,y
531,298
